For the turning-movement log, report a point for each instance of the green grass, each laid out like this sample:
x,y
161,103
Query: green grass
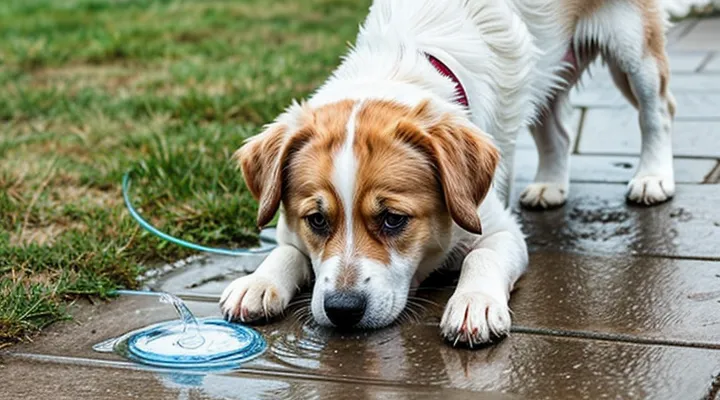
x,y
91,88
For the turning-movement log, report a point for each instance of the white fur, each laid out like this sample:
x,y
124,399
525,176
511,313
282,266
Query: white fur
x,y
344,173
508,55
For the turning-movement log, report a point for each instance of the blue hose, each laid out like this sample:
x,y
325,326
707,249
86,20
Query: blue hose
x,y
146,225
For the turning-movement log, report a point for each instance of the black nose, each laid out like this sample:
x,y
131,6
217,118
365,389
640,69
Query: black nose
x,y
345,309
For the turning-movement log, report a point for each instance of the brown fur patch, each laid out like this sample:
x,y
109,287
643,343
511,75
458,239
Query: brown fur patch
x,y
654,29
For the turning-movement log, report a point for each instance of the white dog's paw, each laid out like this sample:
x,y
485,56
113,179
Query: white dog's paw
x,y
474,318
253,297
650,189
543,195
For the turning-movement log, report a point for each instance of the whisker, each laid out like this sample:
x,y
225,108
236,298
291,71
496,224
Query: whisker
x,y
423,300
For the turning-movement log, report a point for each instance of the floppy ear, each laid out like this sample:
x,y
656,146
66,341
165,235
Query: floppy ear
x,y
262,160
465,159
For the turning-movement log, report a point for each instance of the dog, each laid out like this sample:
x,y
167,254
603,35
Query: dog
x,y
401,162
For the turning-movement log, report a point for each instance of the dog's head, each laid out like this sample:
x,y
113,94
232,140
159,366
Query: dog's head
x,y
370,190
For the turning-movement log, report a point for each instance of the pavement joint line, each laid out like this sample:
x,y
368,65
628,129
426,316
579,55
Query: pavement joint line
x,y
709,57
604,337
683,31
612,337
610,254
258,372
578,134
714,392
714,175
686,157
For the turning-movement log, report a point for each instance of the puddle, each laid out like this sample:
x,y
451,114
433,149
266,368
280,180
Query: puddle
x,y
187,343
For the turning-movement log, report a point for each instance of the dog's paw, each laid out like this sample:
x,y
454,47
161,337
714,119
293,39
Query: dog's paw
x,y
543,195
253,297
475,318
650,190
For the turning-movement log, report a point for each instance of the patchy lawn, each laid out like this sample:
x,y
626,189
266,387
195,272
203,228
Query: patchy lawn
x,y
91,88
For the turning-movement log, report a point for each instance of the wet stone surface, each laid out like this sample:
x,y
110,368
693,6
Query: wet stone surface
x,y
643,298
617,132
50,381
713,65
597,219
609,169
399,360
702,37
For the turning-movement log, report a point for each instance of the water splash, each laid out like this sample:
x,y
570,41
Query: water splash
x,y
205,344
191,337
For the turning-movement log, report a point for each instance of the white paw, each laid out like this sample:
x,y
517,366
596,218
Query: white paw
x,y
650,189
543,195
253,297
474,318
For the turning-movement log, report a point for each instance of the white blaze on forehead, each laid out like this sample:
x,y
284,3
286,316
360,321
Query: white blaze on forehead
x,y
345,172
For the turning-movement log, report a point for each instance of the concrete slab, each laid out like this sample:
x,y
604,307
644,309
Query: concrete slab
x,y
624,297
689,61
703,36
609,169
530,365
600,91
616,131
400,358
209,275
713,65
596,219
96,323
698,105
61,381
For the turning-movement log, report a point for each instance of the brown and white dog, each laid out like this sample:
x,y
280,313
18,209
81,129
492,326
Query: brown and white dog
x,y
388,171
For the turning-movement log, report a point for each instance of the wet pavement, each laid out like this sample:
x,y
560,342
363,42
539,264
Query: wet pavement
x,y
619,301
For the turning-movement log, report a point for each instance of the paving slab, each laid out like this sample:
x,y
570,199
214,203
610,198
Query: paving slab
x,y
679,29
533,366
610,169
208,275
713,65
597,89
597,219
687,61
703,36
616,131
60,381
630,297
601,92
698,104
94,324
404,356
627,298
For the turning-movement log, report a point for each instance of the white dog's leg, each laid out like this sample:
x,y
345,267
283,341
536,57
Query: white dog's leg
x,y
266,292
654,180
553,142
478,311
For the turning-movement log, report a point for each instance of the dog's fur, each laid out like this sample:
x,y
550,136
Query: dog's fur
x,y
384,138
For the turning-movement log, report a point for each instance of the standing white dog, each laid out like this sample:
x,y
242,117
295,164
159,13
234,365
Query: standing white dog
x,y
387,171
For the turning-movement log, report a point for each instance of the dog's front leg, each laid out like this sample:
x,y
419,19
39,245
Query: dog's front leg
x,y
478,311
266,292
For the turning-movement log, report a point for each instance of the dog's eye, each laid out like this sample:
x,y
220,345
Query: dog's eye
x,y
393,223
318,223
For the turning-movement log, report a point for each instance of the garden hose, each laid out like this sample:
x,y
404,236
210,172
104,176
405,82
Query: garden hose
x,y
126,183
